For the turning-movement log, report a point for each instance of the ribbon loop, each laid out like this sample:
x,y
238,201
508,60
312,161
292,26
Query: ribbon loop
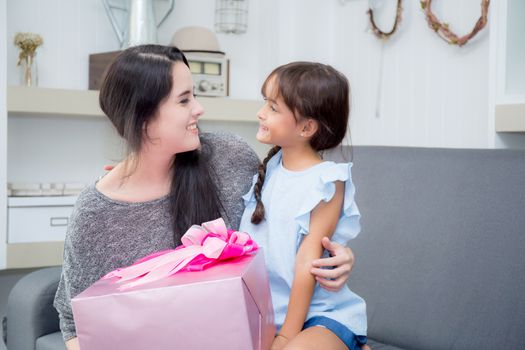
x,y
203,246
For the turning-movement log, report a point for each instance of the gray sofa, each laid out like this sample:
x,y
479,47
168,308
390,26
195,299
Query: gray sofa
x,y
440,260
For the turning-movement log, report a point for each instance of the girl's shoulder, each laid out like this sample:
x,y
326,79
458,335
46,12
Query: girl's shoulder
x,y
331,171
326,170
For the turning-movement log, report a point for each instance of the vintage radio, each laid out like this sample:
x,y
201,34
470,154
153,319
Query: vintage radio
x,y
210,72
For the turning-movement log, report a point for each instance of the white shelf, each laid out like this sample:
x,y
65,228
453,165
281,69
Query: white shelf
x,y
43,101
75,103
510,117
30,255
40,201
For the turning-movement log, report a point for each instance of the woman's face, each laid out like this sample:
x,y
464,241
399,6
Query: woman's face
x,y
174,127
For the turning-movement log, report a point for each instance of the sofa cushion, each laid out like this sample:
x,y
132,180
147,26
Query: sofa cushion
x,y
30,311
376,345
440,257
52,341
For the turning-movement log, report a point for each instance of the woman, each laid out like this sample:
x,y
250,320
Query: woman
x,y
173,177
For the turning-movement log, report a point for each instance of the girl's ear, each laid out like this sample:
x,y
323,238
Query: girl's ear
x,y
309,127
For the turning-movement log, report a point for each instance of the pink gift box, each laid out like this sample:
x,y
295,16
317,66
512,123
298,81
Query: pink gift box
x,y
224,307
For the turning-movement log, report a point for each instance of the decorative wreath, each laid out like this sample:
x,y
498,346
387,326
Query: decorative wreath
x,y
378,32
443,30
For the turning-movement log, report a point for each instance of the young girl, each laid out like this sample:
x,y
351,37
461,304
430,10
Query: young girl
x,y
297,199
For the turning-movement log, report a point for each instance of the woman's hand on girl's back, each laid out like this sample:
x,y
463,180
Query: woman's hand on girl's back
x,y
279,342
342,260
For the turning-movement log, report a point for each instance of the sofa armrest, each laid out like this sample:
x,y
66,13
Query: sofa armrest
x,y
30,311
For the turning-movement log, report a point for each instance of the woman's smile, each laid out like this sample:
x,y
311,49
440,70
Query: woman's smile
x,y
192,128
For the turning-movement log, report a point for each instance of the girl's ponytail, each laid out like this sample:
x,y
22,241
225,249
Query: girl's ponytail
x,y
258,213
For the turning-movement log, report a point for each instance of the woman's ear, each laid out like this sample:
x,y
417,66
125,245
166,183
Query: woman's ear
x,y
309,127
145,129
145,132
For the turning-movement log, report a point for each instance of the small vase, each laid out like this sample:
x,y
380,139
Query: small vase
x,y
29,72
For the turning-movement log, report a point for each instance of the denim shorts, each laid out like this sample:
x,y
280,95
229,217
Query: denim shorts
x,y
352,341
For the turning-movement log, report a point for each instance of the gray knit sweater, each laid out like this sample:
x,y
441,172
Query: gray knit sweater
x,y
105,234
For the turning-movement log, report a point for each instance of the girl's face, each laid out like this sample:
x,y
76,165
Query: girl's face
x,y
174,127
277,123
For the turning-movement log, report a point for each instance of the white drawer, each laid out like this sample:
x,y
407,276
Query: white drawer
x,y
37,224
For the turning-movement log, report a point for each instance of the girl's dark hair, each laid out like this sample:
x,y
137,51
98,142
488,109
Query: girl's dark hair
x,y
313,91
136,83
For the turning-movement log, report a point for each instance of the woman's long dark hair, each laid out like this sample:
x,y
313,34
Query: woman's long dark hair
x,y
313,91
134,86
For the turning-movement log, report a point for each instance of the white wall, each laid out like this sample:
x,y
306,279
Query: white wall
x,y
81,147
3,135
515,75
433,94
74,29
60,149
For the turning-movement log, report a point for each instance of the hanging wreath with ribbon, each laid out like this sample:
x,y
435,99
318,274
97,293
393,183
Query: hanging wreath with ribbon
x,y
384,36
375,29
443,30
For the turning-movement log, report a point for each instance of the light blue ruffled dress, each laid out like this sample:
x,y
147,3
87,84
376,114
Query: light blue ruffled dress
x,y
288,198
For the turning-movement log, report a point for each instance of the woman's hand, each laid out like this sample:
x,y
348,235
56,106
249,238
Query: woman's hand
x,y
342,259
279,342
72,344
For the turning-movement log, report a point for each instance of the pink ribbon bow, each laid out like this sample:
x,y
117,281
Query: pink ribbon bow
x,y
202,246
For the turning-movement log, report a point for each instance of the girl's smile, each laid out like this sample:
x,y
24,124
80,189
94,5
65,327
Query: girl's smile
x,y
262,132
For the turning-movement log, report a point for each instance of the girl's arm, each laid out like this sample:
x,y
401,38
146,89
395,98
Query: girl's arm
x,y
323,221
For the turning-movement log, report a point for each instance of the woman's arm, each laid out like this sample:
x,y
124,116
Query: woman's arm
x,y
62,302
76,267
323,221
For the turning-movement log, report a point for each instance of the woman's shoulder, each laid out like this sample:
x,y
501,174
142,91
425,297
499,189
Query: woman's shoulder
x,y
89,197
86,211
228,148
224,139
89,207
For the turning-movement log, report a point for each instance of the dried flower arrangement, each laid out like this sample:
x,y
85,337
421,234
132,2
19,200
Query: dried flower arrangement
x,y
28,43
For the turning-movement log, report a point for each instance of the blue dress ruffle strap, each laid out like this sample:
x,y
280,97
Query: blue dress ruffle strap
x,y
348,226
